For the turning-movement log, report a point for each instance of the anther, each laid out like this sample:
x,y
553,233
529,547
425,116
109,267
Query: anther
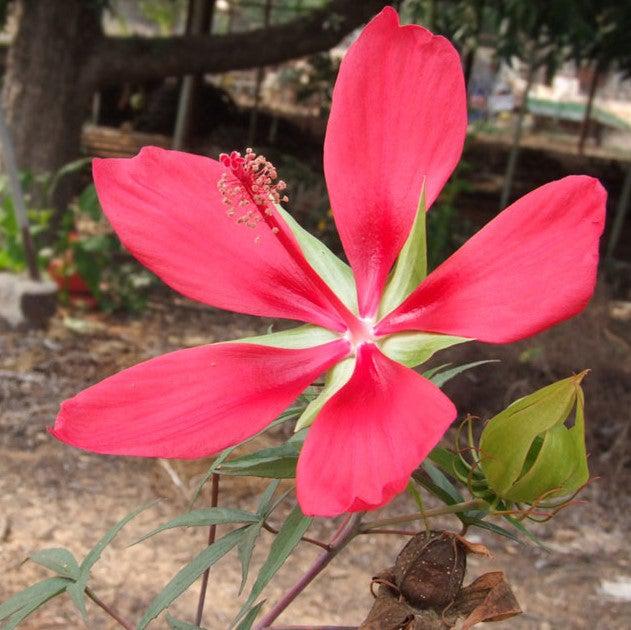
x,y
255,185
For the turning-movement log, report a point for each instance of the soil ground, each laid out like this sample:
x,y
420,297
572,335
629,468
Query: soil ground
x,y
52,495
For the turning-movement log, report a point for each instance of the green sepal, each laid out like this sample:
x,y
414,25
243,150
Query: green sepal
x,y
413,348
335,272
306,336
526,451
335,379
410,268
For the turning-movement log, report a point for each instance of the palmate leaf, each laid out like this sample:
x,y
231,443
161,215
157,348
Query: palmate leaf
x,y
286,540
71,578
76,590
95,553
188,574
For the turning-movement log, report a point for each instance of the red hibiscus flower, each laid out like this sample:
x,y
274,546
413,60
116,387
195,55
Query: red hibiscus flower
x,y
215,232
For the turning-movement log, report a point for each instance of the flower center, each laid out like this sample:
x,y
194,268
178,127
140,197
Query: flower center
x,y
253,183
363,333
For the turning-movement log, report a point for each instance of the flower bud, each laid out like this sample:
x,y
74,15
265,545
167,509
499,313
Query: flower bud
x,y
528,453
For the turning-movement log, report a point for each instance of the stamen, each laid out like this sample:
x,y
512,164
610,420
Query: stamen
x,y
256,185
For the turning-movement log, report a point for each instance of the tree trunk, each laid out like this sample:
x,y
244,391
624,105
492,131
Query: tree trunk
x,y
587,118
509,176
199,20
621,212
258,83
60,56
45,94
469,60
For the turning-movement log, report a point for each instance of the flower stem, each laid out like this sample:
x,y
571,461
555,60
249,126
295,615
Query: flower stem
x,y
109,610
409,518
313,541
212,530
339,541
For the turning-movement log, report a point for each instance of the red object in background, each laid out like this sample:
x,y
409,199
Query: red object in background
x,y
71,282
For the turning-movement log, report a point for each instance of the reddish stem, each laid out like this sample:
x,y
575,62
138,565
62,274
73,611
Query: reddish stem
x,y
349,530
114,614
212,530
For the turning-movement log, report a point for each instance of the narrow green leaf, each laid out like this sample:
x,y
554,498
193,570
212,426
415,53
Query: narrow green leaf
x,y
519,526
277,462
59,560
496,529
336,378
411,266
265,502
76,591
336,273
306,336
286,540
34,595
95,553
176,624
209,473
245,550
413,348
203,517
250,618
187,575
441,378
428,374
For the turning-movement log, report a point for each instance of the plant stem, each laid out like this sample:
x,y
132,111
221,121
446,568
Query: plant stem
x,y
212,530
307,539
108,609
409,518
339,541
399,532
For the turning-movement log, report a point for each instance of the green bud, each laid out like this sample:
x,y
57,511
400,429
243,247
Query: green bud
x,y
529,454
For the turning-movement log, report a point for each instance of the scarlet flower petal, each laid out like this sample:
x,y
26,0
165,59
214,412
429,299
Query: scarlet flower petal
x,y
191,403
370,436
531,267
398,119
167,210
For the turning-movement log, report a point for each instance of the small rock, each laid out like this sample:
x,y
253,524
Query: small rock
x,y
619,589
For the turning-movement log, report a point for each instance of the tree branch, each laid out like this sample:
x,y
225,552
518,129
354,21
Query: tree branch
x,y
119,59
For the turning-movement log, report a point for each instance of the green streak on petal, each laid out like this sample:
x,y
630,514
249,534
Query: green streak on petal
x,y
335,272
411,266
306,336
413,348
336,378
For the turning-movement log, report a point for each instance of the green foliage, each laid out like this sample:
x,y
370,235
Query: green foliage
x,y
441,376
72,578
176,624
189,573
287,538
68,251
203,517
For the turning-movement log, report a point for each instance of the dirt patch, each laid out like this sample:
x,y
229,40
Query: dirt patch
x,y
52,495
